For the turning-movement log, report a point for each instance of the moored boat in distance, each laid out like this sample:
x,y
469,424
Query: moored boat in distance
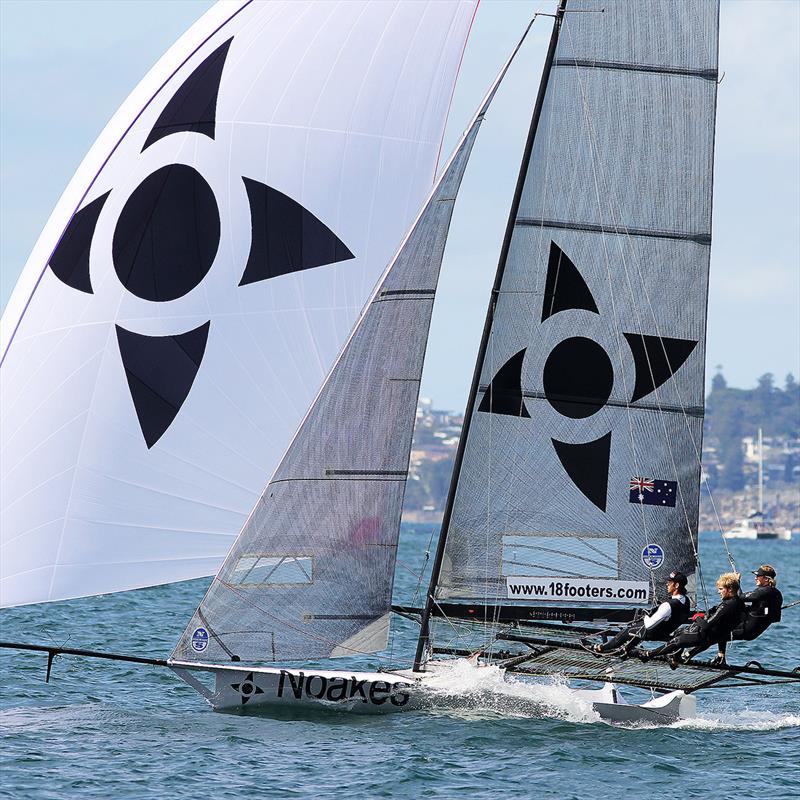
x,y
757,525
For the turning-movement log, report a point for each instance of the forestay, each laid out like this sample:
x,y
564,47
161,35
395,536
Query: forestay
x,y
198,278
581,464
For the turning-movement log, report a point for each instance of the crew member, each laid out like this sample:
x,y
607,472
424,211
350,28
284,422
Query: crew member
x,y
658,623
762,608
714,627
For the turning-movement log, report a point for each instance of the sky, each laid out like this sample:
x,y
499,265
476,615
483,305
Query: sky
x,y
67,65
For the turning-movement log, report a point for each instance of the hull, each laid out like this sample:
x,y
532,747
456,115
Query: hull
x,y
244,690
663,710
267,689
757,528
750,534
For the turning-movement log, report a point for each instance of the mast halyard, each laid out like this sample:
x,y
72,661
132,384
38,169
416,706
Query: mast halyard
x,y
424,635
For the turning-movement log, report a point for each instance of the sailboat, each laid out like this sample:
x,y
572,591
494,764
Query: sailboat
x,y
758,525
576,484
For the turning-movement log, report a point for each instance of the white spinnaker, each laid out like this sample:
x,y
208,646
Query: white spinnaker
x,y
339,107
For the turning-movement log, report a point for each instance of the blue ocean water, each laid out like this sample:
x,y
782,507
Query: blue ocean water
x,y
113,730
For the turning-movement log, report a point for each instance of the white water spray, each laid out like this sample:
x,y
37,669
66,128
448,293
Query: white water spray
x,y
463,687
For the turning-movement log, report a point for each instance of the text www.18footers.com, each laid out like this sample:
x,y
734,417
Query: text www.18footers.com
x,y
558,589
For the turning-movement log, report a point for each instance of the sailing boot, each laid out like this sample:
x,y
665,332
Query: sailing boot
x,y
646,655
630,647
595,649
690,654
676,659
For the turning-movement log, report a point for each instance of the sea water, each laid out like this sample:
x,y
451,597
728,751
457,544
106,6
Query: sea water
x,y
114,730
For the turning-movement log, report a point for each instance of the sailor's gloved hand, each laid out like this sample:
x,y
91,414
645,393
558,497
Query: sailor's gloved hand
x,y
697,616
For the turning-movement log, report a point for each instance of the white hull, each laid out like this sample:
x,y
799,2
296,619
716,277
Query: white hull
x,y
262,689
662,710
238,689
757,527
748,533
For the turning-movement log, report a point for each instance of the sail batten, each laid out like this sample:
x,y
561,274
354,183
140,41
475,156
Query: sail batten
x,y
602,287
706,74
699,238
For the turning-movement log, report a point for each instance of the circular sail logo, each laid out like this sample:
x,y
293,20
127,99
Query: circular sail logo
x,y
578,378
166,239
199,640
653,556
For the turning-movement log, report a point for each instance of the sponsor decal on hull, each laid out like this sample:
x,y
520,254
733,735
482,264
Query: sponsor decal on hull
x,y
320,687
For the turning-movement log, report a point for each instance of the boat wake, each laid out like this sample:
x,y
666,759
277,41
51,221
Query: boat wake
x,y
459,687
743,721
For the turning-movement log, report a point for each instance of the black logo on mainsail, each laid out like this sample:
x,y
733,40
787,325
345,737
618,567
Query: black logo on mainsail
x,y
578,376
165,242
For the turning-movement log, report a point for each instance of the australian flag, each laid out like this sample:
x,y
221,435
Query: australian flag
x,y
650,492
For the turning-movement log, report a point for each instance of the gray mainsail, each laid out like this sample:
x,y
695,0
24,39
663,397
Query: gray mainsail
x,y
580,457
311,573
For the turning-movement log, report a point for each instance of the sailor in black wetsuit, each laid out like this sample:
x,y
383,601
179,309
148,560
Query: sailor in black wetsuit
x,y
762,608
716,626
658,623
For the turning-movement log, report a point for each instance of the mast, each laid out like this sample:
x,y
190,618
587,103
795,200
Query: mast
x,y
760,473
473,393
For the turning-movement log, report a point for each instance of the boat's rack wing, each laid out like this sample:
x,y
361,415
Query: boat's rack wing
x,y
555,650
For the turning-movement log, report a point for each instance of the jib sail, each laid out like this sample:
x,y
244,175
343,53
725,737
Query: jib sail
x,y
311,574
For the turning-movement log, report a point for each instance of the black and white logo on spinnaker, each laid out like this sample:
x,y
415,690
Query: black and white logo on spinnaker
x,y
166,239
578,376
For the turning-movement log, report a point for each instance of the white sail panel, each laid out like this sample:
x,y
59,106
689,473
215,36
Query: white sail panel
x,y
199,276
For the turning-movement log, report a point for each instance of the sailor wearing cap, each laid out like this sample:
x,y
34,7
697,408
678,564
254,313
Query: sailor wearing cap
x,y
762,608
713,627
658,623
763,605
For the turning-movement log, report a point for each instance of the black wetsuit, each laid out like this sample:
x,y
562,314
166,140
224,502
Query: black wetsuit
x,y
629,637
762,608
715,627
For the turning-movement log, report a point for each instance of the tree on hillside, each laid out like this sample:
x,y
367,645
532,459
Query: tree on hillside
x,y
732,414
732,466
